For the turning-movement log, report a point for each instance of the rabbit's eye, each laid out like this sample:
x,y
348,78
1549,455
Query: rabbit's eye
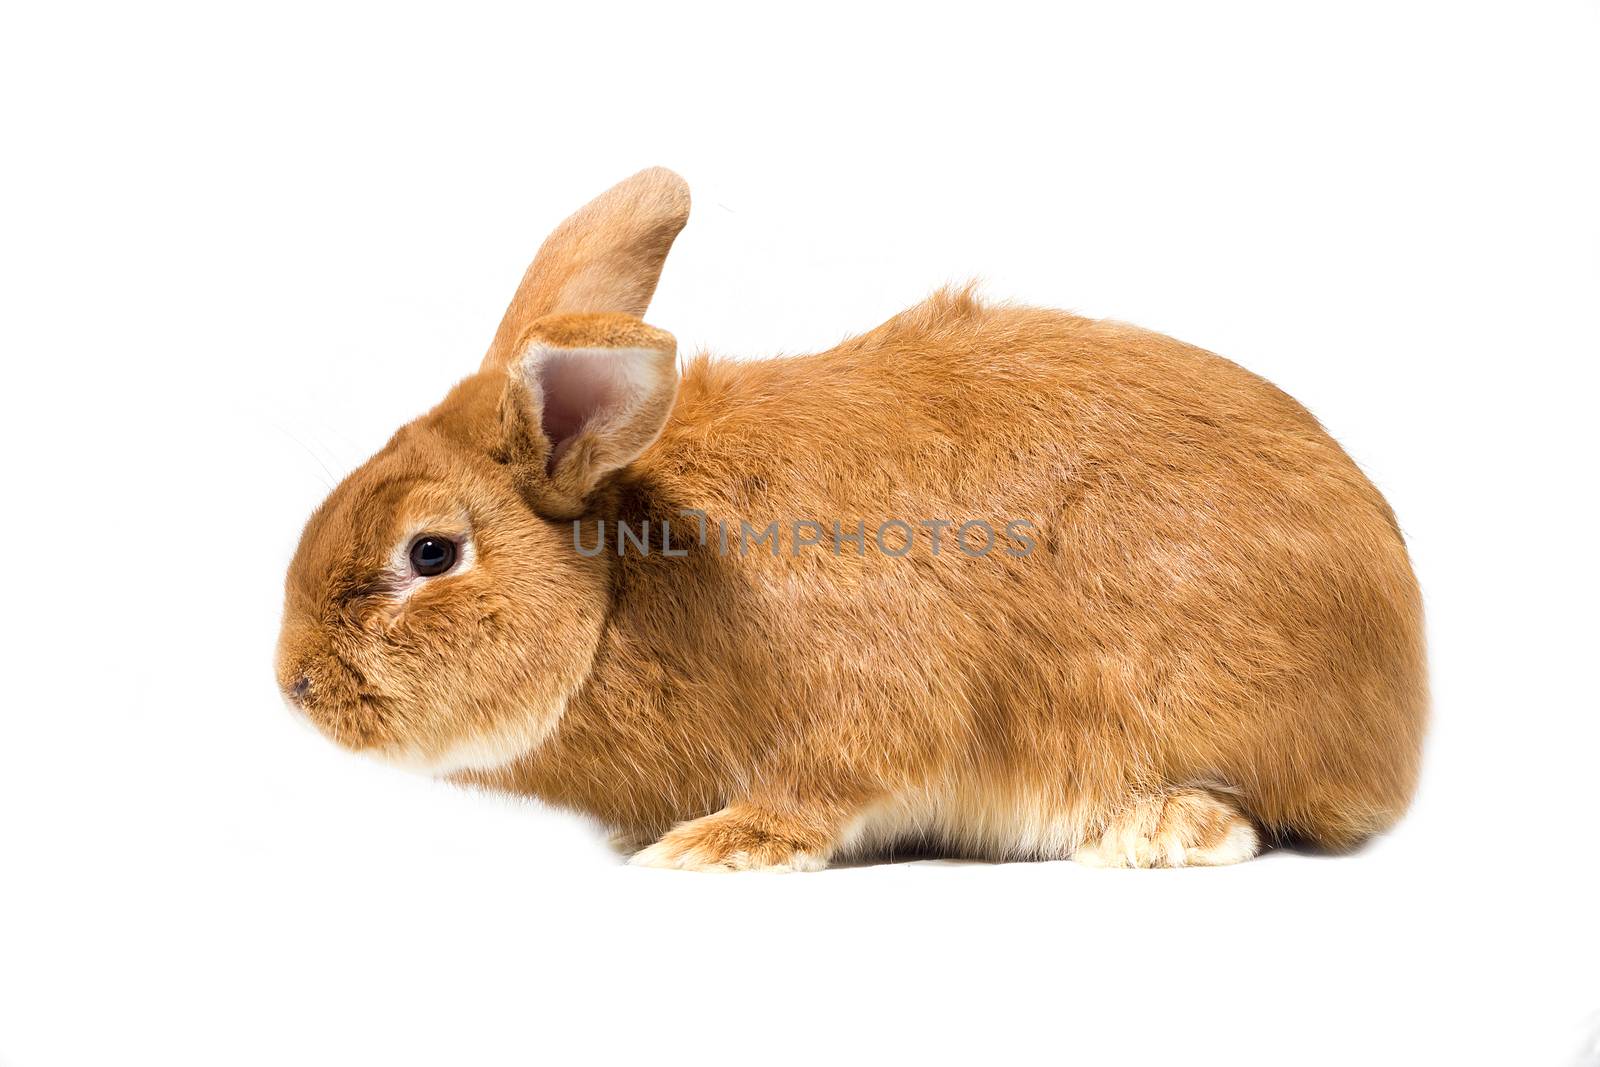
x,y
432,555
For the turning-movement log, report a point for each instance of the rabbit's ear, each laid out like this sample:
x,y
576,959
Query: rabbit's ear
x,y
583,397
605,258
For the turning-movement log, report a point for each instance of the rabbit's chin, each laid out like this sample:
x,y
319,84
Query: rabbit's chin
x,y
484,751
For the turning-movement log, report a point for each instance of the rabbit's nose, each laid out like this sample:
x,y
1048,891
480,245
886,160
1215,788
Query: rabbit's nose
x,y
301,686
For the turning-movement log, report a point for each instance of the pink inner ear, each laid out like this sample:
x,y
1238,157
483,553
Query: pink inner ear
x,y
575,390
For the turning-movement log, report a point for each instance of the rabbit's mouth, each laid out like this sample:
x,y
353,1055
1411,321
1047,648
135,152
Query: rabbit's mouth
x,y
337,698
360,726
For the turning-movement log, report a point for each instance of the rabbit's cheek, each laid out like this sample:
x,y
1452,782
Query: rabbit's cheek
x,y
485,749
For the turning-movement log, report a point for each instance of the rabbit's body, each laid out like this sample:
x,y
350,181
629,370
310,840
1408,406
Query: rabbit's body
x,y
1196,617
1215,597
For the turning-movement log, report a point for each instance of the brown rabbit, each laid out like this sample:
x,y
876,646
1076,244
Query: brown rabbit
x,y
994,581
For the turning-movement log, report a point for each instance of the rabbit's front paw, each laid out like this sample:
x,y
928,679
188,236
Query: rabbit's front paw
x,y
737,838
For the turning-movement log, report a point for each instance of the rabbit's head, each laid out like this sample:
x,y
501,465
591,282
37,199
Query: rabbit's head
x,y
437,612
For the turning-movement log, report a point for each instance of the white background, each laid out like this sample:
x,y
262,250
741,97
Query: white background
x,y
241,247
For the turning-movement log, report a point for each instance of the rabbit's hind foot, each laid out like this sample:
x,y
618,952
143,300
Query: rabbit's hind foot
x,y
1178,828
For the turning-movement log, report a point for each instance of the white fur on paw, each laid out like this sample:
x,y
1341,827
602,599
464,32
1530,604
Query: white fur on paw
x,y
1096,855
1240,844
1128,847
669,855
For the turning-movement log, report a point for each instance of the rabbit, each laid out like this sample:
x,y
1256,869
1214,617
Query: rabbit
x,y
987,581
